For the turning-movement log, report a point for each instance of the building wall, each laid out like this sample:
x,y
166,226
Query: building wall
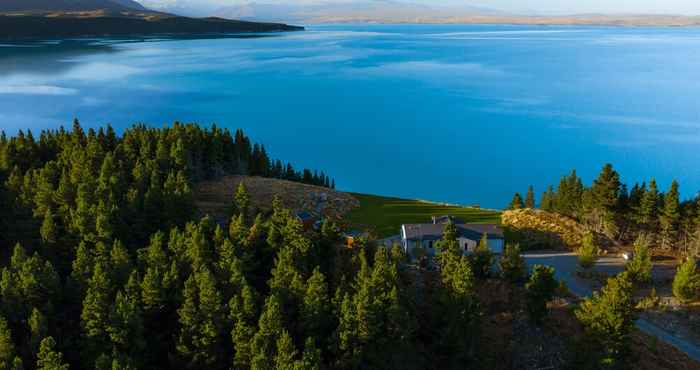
x,y
466,245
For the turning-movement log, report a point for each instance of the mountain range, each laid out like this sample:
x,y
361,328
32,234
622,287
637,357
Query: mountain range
x,y
398,11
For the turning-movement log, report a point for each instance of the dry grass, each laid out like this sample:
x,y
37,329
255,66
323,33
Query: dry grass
x,y
215,198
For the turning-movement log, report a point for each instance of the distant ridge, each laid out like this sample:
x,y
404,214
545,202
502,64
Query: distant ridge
x,y
34,6
388,11
28,19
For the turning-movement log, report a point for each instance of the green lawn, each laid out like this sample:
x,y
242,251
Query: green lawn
x,y
384,215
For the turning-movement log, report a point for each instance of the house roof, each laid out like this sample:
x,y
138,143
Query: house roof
x,y
468,231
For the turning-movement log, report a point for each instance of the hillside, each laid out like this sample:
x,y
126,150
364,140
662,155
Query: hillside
x,y
21,27
215,198
385,215
39,6
537,229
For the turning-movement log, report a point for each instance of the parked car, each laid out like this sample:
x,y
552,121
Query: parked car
x,y
627,255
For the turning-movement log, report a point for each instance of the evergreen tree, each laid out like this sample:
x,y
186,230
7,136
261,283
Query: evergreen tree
x,y
648,208
38,330
94,316
517,202
512,264
7,346
243,314
639,268
49,232
315,312
540,289
670,218
285,359
242,200
608,317
588,252
49,358
270,330
200,317
530,198
687,281
548,199
482,258
605,194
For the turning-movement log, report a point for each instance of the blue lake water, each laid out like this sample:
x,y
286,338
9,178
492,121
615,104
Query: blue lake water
x,y
460,114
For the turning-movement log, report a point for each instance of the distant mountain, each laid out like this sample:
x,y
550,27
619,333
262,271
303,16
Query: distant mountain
x,y
364,11
34,6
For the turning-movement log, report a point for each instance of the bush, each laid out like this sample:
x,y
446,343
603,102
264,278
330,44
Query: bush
x,y
588,252
482,259
512,264
608,318
687,281
540,289
639,268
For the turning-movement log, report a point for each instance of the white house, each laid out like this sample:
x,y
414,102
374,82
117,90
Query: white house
x,y
468,236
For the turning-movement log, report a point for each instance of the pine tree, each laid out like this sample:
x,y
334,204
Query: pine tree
x,y
315,319
94,316
547,202
670,218
270,329
482,258
639,268
648,208
540,289
530,198
7,346
517,202
48,358
243,314
608,318
588,252
605,194
311,358
242,200
512,264
285,359
49,232
200,317
687,281
38,329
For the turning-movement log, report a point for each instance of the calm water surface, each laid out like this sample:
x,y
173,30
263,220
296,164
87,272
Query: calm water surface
x,y
462,114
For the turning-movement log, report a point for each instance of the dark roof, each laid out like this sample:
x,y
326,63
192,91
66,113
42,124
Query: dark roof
x,y
469,231
304,216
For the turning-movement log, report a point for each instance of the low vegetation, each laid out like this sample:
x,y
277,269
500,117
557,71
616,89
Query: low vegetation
x,y
384,215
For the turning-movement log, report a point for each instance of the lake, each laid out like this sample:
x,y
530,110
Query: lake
x,y
462,114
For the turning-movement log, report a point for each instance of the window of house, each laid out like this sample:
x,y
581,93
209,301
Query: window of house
x,y
430,244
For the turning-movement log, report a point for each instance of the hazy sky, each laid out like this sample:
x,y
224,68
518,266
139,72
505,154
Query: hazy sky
x,y
691,7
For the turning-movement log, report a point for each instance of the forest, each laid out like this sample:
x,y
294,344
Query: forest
x,y
105,264
611,208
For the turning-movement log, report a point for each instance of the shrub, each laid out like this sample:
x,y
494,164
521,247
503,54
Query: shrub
x,y
540,289
608,318
482,259
588,252
512,264
639,268
687,281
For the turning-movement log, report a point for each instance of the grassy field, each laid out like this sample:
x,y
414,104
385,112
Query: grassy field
x,y
384,215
